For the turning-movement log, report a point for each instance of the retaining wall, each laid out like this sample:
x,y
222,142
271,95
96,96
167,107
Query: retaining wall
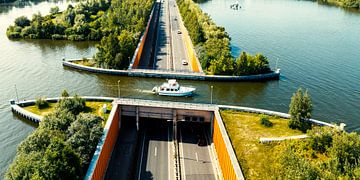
x,y
229,165
101,158
138,51
173,74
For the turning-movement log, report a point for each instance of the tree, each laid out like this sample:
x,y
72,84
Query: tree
x,y
300,111
54,10
84,135
64,94
22,21
60,161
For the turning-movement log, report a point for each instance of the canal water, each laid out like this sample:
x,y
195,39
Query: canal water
x,y
318,48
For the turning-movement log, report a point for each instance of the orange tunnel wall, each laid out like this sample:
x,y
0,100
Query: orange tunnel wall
x,y
109,143
226,166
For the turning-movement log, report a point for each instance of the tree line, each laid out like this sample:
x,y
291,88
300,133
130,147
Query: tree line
x,y
61,147
117,24
212,45
355,4
82,22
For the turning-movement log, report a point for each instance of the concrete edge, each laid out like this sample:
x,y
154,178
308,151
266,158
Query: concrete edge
x,y
271,113
143,35
274,139
100,144
275,75
18,107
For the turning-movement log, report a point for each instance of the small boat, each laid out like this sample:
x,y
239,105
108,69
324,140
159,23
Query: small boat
x,y
172,88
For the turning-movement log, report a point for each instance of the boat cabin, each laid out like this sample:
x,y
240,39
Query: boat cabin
x,y
171,85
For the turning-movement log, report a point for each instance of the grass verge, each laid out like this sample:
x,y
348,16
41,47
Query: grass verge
x,y
244,129
94,107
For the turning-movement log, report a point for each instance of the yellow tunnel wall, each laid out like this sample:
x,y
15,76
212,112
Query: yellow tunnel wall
x,y
107,148
226,166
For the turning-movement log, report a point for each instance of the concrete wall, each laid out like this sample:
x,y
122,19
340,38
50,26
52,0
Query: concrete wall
x,y
174,75
229,165
137,54
101,157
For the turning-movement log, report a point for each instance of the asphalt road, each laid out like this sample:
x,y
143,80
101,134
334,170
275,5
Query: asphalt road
x,y
155,153
195,160
178,45
122,159
169,49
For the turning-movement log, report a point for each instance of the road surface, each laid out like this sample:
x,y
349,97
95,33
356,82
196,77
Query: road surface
x,y
195,160
155,152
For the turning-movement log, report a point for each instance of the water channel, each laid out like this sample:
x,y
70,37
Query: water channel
x,y
318,48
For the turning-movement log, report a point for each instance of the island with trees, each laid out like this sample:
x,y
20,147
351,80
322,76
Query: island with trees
x,y
118,26
62,146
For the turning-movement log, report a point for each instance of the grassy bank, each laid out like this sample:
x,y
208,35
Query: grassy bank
x,y
93,107
244,130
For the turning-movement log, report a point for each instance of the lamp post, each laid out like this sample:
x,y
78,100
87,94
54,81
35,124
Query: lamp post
x,y
211,94
118,88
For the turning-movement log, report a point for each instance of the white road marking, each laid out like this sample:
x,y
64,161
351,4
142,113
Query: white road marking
x,y
142,154
197,158
183,158
155,151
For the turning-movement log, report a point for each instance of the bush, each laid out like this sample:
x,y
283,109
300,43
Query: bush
x,y
264,120
41,103
58,36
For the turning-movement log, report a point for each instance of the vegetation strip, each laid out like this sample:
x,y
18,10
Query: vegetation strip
x,y
61,147
212,44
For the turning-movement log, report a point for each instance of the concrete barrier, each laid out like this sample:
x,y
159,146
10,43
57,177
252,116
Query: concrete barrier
x,y
275,75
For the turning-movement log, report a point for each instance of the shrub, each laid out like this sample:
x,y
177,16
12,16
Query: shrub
x,y
264,120
41,103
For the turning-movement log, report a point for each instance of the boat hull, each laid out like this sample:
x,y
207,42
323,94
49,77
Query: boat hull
x,y
176,94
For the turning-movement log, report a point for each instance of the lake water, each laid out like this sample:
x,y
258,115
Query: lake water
x,y
318,48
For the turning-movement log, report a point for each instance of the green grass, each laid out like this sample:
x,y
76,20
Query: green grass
x,y
85,63
94,107
244,129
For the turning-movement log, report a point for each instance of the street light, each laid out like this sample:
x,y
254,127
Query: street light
x,y
211,94
118,88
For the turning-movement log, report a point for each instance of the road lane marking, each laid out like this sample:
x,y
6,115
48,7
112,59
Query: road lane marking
x,y
182,159
197,158
142,154
155,151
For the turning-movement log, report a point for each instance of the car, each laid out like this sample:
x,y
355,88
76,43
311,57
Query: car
x,y
184,62
175,19
179,32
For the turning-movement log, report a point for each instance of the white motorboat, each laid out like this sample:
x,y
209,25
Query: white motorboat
x,y
172,88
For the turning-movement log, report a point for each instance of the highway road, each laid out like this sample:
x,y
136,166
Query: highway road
x,y
156,159
169,47
178,45
195,160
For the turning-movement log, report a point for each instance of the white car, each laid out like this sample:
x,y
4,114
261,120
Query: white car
x,y
179,32
184,62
